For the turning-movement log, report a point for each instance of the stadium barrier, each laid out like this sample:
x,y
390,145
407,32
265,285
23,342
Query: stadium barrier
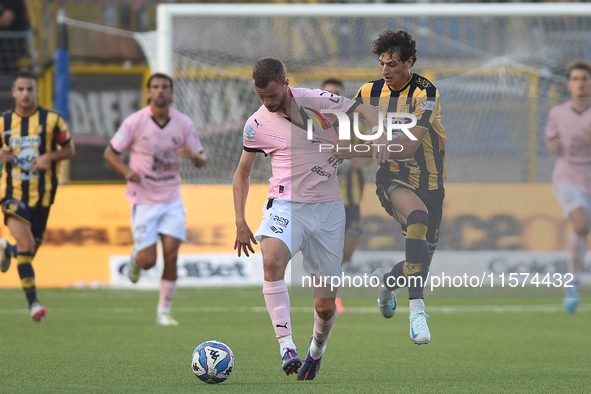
x,y
89,225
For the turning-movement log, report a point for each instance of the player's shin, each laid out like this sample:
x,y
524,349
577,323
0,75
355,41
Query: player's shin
x,y
27,275
418,259
322,329
167,292
277,301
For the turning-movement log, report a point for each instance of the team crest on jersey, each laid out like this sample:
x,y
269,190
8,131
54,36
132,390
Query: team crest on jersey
x,y
249,132
404,108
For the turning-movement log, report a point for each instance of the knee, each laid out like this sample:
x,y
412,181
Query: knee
x,y
273,267
325,307
417,224
25,246
145,262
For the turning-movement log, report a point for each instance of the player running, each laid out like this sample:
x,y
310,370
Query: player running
x,y
156,136
568,135
30,138
410,183
304,210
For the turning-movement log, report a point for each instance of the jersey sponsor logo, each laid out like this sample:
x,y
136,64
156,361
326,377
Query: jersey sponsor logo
x,y
428,105
276,230
17,142
249,132
423,82
24,160
164,161
318,170
257,122
279,220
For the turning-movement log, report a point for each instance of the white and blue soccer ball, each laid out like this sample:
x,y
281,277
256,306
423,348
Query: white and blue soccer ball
x,y
212,362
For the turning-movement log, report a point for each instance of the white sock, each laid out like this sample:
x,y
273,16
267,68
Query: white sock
x,y
416,303
163,310
284,343
315,351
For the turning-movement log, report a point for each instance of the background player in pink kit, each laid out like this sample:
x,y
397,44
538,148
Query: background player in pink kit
x,y
156,136
304,211
568,134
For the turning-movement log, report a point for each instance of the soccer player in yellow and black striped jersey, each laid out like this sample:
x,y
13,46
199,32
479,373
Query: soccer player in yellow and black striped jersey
x,y
410,183
30,139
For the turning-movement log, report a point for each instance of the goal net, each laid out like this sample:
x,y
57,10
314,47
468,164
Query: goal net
x,y
499,67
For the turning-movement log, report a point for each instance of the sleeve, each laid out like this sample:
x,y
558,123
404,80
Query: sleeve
x,y
123,138
253,141
61,134
192,139
426,106
332,101
552,130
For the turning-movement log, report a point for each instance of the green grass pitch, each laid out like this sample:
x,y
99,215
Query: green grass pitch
x,y
107,341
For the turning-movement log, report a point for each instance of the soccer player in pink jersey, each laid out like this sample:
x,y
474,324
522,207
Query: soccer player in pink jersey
x,y
156,136
304,210
568,135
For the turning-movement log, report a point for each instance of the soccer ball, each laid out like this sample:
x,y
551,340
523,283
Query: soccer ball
x,y
212,362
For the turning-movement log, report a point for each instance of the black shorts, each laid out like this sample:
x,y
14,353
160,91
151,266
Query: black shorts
x,y
36,217
353,214
433,200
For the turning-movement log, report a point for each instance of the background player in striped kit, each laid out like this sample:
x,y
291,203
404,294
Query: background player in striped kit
x,y
31,135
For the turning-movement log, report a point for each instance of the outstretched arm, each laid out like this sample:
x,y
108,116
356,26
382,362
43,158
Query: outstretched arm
x,y
240,186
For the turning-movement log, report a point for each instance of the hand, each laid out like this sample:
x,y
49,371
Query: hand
x,y
380,148
133,176
243,237
6,154
185,152
41,163
553,145
344,151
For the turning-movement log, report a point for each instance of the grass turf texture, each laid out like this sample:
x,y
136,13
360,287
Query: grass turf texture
x,y
107,341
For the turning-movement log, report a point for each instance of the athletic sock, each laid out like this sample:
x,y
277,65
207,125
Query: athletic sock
x,y
322,329
277,301
416,266
415,303
167,292
27,275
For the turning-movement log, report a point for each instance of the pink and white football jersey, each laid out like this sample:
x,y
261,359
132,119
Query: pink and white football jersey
x,y
573,165
153,154
301,172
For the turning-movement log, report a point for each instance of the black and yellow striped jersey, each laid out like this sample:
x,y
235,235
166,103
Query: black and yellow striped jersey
x,y
426,170
352,182
30,137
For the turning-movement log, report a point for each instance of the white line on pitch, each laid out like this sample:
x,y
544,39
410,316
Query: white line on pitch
x,y
261,309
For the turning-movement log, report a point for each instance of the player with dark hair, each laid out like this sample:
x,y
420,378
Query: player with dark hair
x,y
34,140
304,210
568,135
410,183
157,136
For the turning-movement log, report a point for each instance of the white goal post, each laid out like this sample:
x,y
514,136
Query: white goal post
x,y
166,12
